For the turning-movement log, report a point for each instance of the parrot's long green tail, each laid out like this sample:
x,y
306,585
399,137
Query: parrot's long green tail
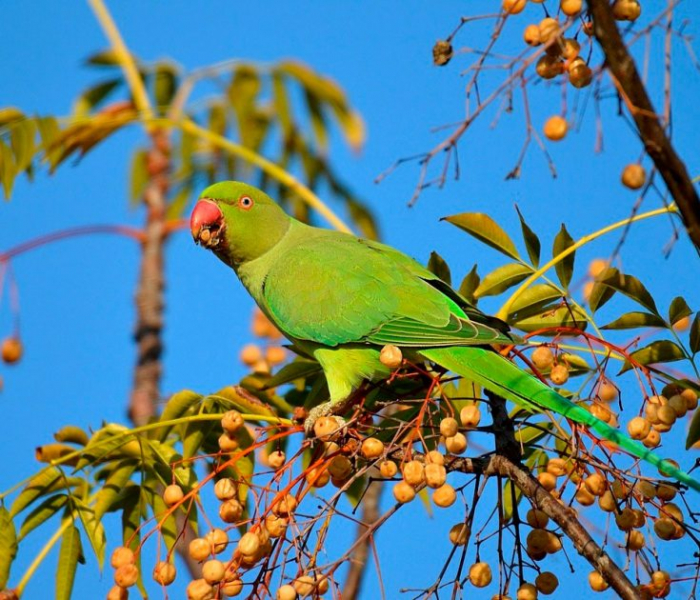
x,y
499,375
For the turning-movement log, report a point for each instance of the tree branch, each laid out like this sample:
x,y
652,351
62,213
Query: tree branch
x,y
358,561
657,144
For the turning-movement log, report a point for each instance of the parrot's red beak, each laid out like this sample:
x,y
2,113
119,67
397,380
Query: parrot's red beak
x,y
207,223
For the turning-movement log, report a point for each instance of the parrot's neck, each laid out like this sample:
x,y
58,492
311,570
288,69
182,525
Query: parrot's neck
x,y
252,273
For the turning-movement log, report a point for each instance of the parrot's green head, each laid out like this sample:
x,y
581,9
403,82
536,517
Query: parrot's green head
x,y
237,221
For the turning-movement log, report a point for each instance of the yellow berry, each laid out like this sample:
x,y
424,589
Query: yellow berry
x,y
548,67
372,448
276,459
635,540
213,571
537,518
225,489
459,534
527,591
513,7
228,443
198,589
390,356
413,472
126,576
275,355
164,573
285,506
596,581
218,540
633,176
232,421
403,492
571,7
470,416
435,475
11,350
626,10
444,496
327,428
122,556
434,457
542,358
286,592
638,428
559,374
548,28
450,427
607,392
230,511
388,468
304,585
480,574
276,526
251,354
118,593
456,444
546,582
531,35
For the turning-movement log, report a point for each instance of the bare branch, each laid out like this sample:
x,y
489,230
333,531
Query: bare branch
x,y
658,146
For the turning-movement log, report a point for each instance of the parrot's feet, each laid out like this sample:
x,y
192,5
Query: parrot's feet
x,y
322,410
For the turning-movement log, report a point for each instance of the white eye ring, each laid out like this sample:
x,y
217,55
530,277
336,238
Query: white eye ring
x,y
245,202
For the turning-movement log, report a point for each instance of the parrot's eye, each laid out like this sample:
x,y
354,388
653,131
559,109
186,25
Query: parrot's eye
x,y
245,202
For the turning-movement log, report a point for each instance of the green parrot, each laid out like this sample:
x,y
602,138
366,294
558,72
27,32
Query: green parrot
x,y
341,298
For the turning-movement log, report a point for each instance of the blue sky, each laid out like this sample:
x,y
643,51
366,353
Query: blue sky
x,y
77,296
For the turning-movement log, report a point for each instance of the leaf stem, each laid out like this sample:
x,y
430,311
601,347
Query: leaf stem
x,y
131,73
268,167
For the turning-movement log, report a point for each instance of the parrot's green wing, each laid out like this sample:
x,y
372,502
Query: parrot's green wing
x,y
355,291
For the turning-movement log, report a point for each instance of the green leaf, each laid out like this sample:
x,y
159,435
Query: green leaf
x,y
68,557
533,299
166,526
509,491
94,530
177,406
131,515
634,319
281,103
300,368
693,431
138,177
532,242
564,267
469,284
8,546
600,294
8,169
49,131
660,351
486,230
552,318
48,480
438,266
94,95
164,85
695,335
318,122
501,279
22,140
629,286
531,434
678,310
42,513
230,398
10,114
113,485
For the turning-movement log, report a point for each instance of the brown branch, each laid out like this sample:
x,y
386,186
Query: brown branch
x,y
358,560
657,144
149,294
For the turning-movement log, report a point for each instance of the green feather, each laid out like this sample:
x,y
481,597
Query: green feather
x,y
341,298
506,379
